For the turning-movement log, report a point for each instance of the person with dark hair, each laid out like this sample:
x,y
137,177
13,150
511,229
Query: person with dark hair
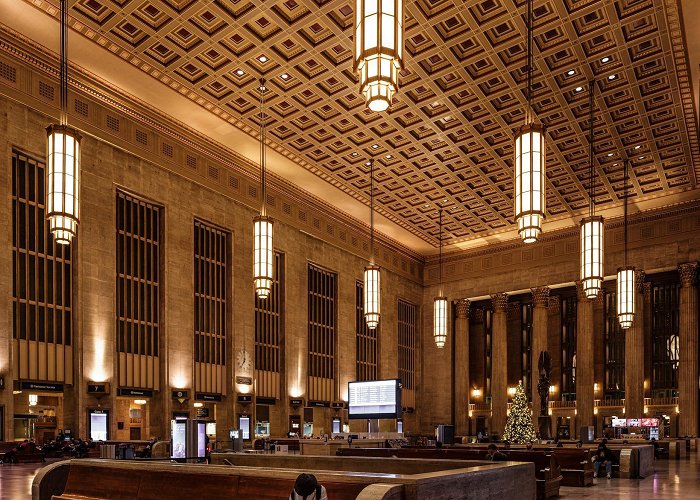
x,y
560,444
494,455
306,487
579,444
605,457
529,445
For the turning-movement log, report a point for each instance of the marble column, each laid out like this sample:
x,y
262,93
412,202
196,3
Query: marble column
x,y
634,354
462,383
499,364
540,299
688,352
584,359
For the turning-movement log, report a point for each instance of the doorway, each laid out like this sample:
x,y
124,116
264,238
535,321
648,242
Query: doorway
x,y
135,433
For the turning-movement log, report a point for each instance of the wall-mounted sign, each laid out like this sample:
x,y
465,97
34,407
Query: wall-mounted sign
x,y
338,405
202,396
244,380
181,394
265,401
408,409
202,412
40,386
320,404
143,393
245,398
296,401
98,388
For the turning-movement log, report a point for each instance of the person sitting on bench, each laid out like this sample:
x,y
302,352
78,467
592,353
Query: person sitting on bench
x,y
306,487
604,456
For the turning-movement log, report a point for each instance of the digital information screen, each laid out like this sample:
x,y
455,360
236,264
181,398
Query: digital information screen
x,y
244,425
374,399
201,440
179,438
619,422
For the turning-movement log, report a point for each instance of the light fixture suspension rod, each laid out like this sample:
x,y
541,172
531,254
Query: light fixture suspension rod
x,y
371,212
440,247
263,182
626,194
63,70
530,114
591,187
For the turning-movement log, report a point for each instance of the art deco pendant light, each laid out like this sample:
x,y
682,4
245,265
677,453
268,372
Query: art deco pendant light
x,y
440,305
530,179
378,49
63,158
372,288
262,224
591,226
625,279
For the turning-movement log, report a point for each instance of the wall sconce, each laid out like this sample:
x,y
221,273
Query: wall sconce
x,y
2,382
646,410
198,404
623,411
595,387
552,389
476,393
33,399
595,411
678,410
140,401
549,412
511,391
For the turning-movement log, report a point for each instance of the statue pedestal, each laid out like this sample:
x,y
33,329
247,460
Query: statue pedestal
x,y
544,427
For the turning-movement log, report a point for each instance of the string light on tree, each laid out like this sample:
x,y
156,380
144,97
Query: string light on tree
x,y
519,427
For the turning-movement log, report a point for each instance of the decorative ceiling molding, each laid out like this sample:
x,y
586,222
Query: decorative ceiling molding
x,y
447,138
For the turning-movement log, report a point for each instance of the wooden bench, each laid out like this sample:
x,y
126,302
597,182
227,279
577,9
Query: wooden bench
x,y
27,453
547,471
97,482
576,466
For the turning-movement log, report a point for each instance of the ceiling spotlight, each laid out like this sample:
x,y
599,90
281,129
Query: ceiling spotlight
x,y
354,153
388,157
571,72
375,146
285,76
240,72
578,89
612,77
609,155
426,206
368,163
605,59
637,147
642,157
262,59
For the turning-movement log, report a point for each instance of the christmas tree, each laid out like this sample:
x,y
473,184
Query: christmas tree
x,y
519,428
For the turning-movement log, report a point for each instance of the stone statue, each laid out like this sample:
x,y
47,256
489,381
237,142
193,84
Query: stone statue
x,y
545,367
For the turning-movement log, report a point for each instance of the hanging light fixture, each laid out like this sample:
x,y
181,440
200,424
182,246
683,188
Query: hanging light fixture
x,y
530,179
440,305
63,158
625,279
262,224
591,226
378,49
372,291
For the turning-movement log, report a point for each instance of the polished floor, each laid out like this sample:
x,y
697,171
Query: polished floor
x,y
674,479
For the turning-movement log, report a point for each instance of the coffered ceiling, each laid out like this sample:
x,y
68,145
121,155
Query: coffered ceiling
x,y
447,138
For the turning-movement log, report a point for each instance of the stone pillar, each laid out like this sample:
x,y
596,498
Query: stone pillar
x,y
540,300
554,344
499,364
634,354
688,352
462,384
584,359
648,341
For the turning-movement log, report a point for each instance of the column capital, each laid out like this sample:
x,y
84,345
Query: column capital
x,y
688,272
554,304
540,296
462,308
477,315
639,277
499,301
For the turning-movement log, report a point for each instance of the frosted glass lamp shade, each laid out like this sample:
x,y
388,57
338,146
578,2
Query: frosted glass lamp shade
x,y
63,182
263,257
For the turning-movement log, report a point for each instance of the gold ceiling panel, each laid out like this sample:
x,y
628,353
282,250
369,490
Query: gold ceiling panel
x,y
447,139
